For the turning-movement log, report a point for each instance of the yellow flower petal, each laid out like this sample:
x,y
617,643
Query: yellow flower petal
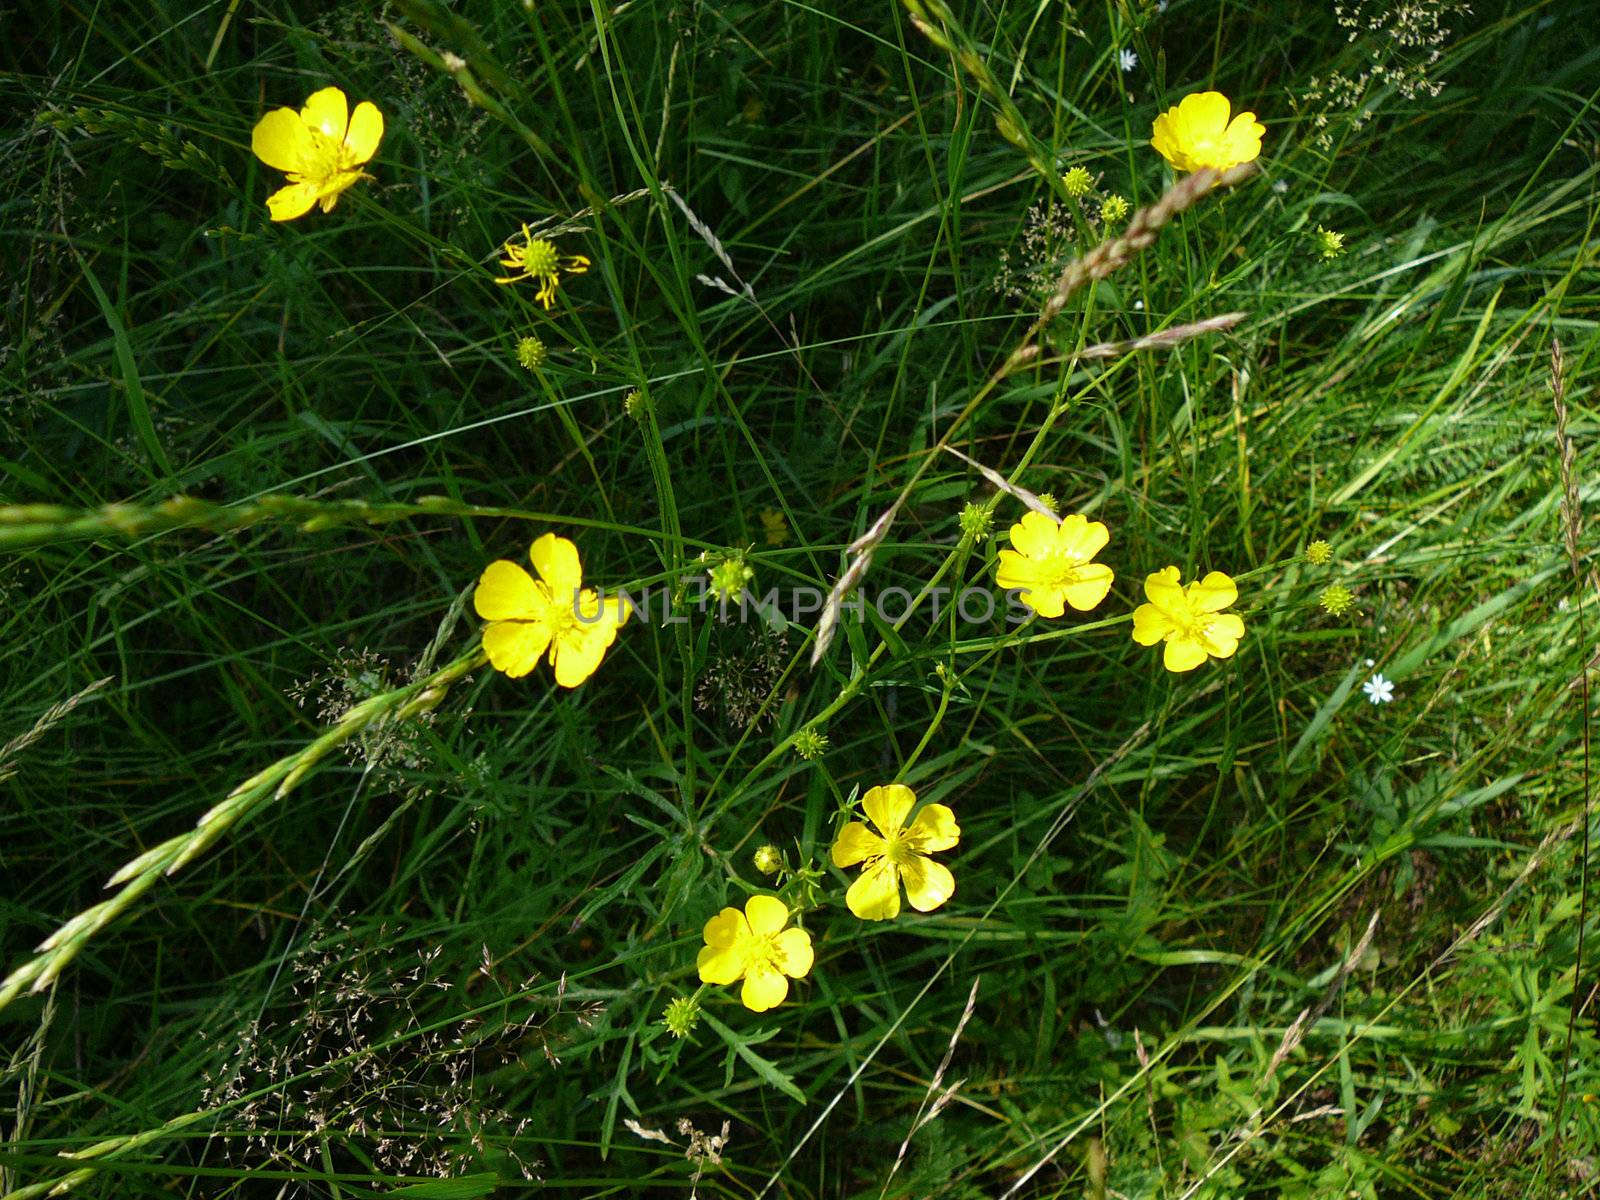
x,y
365,132
515,646
506,591
875,895
1203,114
935,828
1016,571
719,964
602,618
887,807
556,560
1213,593
1150,625
280,139
726,929
856,843
327,112
1165,141
336,185
1183,654
1242,141
1164,591
795,954
763,988
576,655
1044,600
1034,535
928,884
1090,586
1222,635
766,915
1080,538
292,201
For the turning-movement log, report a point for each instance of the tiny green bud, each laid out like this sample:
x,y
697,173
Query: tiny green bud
x,y
977,522
1336,599
682,1015
531,353
810,744
768,859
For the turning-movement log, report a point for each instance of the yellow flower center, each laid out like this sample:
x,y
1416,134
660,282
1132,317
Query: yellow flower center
x,y
328,158
538,257
1058,570
559,615
1189,623
759,953
901,846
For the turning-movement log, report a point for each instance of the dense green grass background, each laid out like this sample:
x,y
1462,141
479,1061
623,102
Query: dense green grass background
x,y
449,951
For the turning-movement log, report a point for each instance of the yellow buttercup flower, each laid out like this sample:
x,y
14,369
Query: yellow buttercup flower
x,y
322,148
554,613
1051,562
1197,133
754,946
537,258
1188,619
897,853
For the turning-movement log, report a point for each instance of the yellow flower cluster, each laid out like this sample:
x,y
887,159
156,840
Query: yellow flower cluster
x,y
758,947
1051,566
550,616
322,149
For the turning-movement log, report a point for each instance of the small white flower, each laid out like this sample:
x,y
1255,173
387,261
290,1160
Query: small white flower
x,y
1372,662
1378,689
1280,186
1138,305
1129,60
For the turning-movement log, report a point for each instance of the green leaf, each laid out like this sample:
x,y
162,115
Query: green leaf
x,y
765,1068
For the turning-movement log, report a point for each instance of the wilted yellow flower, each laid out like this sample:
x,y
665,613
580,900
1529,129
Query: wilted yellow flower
x,y
1051,563
1319,553
321,148
774,526
537,258
1330,243
1188,619
1113,209
1197,133
897,852
753,945
555,612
